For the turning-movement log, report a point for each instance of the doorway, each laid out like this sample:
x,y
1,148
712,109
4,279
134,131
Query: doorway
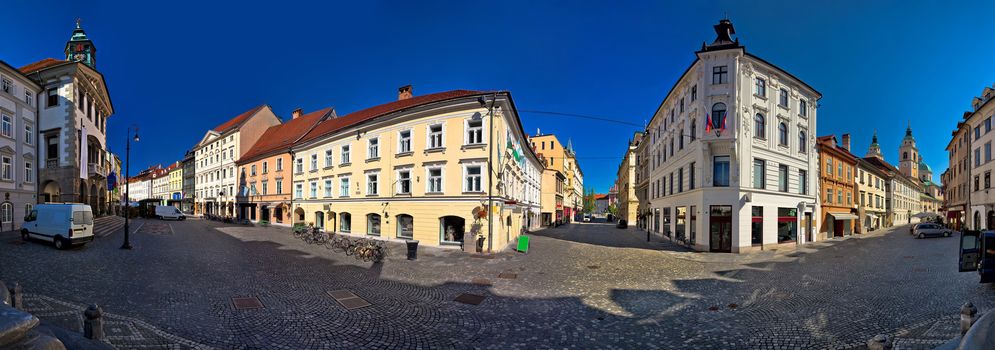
x,y
720,229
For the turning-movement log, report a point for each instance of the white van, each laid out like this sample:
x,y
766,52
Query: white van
x,y
63,224
164,212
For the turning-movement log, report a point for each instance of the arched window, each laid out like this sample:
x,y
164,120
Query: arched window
x,y
345,222
300,214
405,226
373,224
718,115
319,220
694,129
759,126
782,131
451,229
801,142
6,212
905,155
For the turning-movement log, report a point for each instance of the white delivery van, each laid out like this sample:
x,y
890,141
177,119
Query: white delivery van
x,y
164,212
63,224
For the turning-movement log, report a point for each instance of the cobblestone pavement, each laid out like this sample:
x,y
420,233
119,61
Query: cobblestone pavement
x,y
581,286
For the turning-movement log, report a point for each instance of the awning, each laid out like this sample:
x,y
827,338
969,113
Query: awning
x,y
872,216
843,216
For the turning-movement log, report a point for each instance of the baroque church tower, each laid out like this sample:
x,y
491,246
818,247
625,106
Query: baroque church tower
x,y
874,150
909,155
79,48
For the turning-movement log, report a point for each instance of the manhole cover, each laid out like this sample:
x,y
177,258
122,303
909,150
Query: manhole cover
x,y
348,299
341,294
481,281
472,299
508,276
247,303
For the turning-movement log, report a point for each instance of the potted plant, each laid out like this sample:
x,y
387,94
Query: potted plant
x,y
264,223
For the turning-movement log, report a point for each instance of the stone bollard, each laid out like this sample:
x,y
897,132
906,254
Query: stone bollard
x,y
16,296
879,342
968,315
93,323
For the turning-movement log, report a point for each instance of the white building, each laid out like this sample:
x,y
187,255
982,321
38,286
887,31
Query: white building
x,y
18,146
732,148
982,200
216,153
160,186
140,188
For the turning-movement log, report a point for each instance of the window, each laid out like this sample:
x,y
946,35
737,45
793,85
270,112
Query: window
x,y
435,180
694,129
977,157
328,158
839,197
7,126
404,182
988,179
452,229
29,173
720,171
345,222
849,198
829,196
265,187
988,125
977,132
8,86
988,151
298,190
7,213
759,125
435,136
680,180
344,187
300,165
29,98
373,224
252,189
802,181
782,131
474,131
757,235
404,141
53,98
694,93
279,165
691,176
328,188
803,107
720,75
252,170
782,178
801,142
314,189
718,115
405,226
759,167
372,187
279,186
760,87
345,154
472,179
787,224
373,150
783,98
265,167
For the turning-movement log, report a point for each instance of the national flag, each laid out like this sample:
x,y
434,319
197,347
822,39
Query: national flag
x,y
724,115
708,122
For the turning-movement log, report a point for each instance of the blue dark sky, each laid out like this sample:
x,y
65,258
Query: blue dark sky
x,y
177,69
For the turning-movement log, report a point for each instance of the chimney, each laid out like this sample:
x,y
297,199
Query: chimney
x,y
297,112
846,142
404,92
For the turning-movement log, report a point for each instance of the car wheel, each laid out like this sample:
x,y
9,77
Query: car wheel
x,y
920,236
24,234
60,243
946,234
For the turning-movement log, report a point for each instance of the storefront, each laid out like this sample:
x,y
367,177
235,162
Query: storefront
x,y
840,224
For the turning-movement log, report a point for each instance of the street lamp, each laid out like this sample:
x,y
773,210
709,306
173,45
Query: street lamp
x,y
490,166
127,194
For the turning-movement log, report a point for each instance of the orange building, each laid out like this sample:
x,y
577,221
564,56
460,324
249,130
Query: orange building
x,y
836,180
264,175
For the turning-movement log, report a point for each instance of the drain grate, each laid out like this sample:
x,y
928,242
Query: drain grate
x,y
471,299
348,299
508,276
481,282
247,303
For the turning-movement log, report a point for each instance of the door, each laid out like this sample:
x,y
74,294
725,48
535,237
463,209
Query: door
x,y
720,239
968,260
808,228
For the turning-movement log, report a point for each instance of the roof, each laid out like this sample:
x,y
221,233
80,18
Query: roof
x,y
600,196
829,141
333,125
40,65
883,165
238,120
283,136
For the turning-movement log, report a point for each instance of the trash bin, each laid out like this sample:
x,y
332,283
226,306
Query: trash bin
x,y
412,250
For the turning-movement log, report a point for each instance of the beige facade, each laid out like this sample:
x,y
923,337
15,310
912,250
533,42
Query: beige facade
x,y
625,182
417,168
563,160
956,179
873,196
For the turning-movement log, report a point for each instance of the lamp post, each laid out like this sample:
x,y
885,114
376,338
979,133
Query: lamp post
x,y
490,166
127,194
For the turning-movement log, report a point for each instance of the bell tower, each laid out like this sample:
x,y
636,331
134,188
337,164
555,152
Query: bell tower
x,y
875,149
908,155
79,48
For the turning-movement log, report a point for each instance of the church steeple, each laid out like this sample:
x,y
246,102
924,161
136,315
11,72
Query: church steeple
x,y
79,48
875,149
909,158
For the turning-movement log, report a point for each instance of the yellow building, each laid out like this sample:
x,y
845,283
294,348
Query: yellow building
x,y
561,159
418,168
175,184
625,182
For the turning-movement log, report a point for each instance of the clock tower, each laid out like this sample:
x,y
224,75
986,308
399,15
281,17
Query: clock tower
x,y
909,157
80,49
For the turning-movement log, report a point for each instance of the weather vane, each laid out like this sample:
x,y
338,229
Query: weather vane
x,y
77,22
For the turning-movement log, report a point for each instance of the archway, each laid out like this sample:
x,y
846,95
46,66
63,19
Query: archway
x,y
405,226
300,214
82,193
319,220
92,200
330,221
102,205
50,192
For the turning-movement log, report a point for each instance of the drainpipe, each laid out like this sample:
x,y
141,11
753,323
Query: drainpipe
x,y
293,163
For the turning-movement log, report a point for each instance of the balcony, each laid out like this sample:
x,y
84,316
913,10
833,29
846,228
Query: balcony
x,y
95,169
51,163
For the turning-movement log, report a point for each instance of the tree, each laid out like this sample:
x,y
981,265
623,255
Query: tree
x,y
589,202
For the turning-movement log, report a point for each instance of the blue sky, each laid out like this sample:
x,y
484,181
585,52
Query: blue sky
x,y
177,69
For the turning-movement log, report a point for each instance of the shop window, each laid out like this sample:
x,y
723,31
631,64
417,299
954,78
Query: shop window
x,y
405,226
758,226
787,225
452,229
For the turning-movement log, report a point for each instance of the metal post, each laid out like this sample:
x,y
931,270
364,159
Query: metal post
x,y
93,323
127,193
490,174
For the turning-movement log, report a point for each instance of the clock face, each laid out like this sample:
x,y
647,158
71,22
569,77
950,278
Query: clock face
x,y
78,57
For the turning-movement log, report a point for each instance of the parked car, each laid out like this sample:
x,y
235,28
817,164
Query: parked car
x,y
164,212
587,217
64,225
912,229
930,229
622,224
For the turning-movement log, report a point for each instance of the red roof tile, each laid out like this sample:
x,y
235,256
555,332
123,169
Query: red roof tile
x,y
354,118
234,122
282,136
37,66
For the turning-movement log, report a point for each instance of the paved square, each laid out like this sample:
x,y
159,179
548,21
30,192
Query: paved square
x,y
581,286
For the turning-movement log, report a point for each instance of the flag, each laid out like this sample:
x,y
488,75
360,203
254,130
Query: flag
x,y
724,115
708,122
82,154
